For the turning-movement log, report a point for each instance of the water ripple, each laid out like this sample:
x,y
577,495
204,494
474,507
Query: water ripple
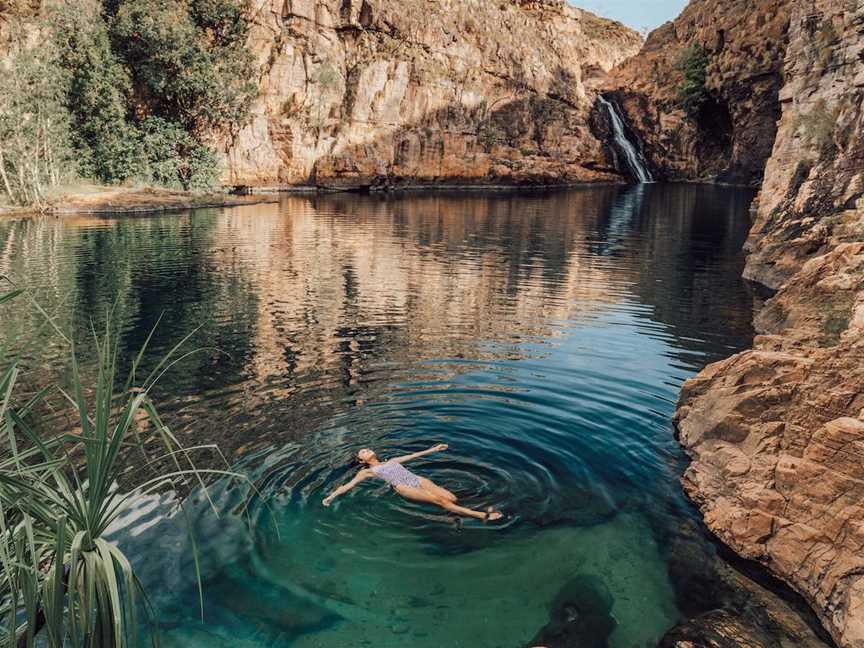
x,y
543,337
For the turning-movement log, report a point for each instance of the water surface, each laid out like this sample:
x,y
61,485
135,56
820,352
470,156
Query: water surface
x,y
544,337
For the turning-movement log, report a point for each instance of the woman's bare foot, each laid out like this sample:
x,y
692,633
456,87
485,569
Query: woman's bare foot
x,y
492,515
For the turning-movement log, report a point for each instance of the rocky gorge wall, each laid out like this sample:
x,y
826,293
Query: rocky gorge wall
x,y
776,434
731,136
380,92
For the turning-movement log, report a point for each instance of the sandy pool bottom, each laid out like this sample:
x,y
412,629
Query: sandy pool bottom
x,y
307,590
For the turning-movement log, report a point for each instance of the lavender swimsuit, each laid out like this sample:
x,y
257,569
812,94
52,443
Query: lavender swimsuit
x,y
396,474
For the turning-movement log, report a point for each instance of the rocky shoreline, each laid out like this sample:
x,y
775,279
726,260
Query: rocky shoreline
x,y
776,434
107,200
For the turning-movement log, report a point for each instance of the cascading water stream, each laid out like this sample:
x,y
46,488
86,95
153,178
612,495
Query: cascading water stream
x,y
632,155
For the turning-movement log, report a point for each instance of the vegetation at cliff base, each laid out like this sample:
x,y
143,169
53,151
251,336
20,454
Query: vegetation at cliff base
x,y
36,150
693,64
121,90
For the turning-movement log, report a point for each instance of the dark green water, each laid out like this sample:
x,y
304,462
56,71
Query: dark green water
x,y
544,337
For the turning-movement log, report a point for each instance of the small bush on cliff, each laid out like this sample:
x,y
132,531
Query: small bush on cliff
x,y
817,128
837,321
488,135
693,64
327,80
825,41
546,113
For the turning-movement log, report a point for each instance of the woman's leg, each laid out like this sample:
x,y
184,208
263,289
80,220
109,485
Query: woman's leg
x,y
461,510
435,489
422,495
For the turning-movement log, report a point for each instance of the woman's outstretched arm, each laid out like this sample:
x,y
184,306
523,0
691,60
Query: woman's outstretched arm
x,y
438,448
359,477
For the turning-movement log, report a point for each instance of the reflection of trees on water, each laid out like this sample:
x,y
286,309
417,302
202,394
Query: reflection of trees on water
x,y
144,269
319,302
165,271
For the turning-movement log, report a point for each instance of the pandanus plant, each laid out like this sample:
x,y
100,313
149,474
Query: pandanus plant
x,y
62,582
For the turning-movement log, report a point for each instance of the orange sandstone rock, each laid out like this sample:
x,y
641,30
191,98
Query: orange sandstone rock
x,y
776,434
384,92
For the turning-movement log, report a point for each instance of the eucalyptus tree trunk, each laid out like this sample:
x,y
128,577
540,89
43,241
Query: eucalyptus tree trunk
x,y
6,186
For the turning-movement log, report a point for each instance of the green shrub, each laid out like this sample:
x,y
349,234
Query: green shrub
x,y
99,93
200,168
545,112
834,326
222,19
488,134
693,64
176,159
188,60
817,128
825,40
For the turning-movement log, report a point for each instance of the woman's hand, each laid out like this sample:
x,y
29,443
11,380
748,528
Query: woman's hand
x,y
327,500
441,447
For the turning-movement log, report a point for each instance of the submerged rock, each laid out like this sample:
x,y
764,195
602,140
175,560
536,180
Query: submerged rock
x,y
573,506
718,629
580,616
277,612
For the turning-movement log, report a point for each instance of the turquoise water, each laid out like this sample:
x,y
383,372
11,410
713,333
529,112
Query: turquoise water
x,y
543,337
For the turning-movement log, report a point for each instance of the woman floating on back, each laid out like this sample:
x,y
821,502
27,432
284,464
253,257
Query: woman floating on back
x,y
409,485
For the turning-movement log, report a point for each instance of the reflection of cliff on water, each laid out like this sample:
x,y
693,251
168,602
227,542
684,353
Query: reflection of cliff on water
x,y
319,303
686,259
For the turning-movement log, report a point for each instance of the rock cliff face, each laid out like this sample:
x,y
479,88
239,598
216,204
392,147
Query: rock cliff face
x,y
379,92
12,12
776,434
731,136
814,180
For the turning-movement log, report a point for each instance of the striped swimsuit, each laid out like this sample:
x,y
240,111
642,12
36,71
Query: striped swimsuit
x,y
396,474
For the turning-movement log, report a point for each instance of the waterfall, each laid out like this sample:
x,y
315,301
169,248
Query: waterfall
x,y
632,155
